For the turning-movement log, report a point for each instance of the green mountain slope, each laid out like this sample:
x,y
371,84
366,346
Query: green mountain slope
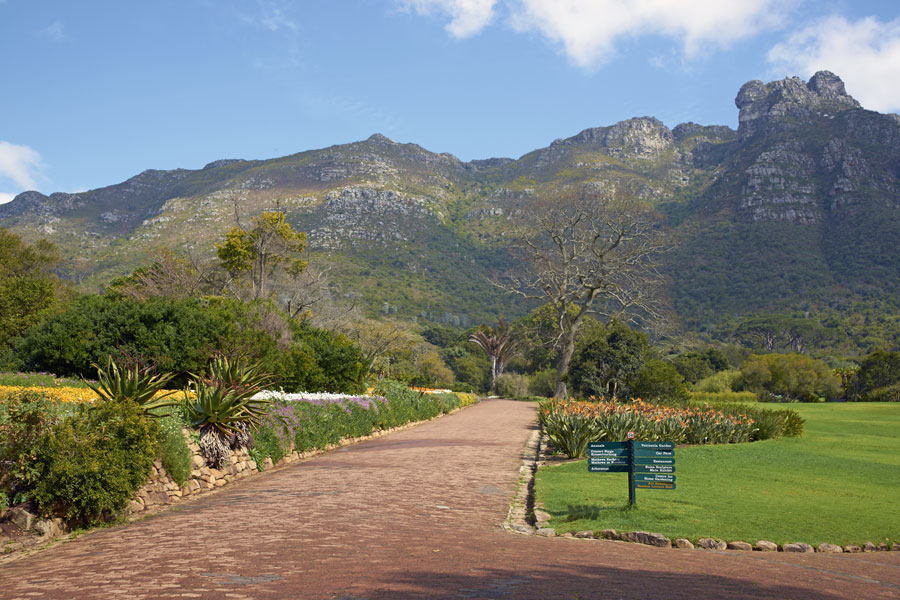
x,y
799,209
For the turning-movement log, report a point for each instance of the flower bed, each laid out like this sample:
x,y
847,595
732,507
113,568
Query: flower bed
x,y
314,421
62,393
570,424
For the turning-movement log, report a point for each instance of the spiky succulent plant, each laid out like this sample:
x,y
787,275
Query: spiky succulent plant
x,y
133,384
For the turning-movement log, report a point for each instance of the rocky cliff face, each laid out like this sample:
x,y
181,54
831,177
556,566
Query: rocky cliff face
x,y
774,107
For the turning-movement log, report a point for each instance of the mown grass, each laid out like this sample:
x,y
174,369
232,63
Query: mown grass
x,y
838,483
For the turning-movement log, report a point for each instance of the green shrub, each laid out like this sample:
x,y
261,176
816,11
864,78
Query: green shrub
x,y
133,384
173,449
25,416
716,398
511,385
319,361
878,374
791,376
173,334
659,381
888,393
770,423
542,383
723,381
90,464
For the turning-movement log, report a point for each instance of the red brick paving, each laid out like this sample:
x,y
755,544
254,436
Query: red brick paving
x,y
414,514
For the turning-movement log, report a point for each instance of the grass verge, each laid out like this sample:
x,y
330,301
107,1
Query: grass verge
x,y
838,483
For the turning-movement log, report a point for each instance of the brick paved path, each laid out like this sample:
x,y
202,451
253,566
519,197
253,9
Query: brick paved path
x,y
412,515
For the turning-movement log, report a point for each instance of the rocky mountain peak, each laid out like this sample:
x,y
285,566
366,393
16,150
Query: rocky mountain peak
x,y
767,107
377,138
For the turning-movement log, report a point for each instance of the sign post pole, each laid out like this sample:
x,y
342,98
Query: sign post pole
x,y
632,492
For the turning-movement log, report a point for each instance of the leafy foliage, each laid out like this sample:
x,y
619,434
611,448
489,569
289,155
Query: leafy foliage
x,y
173,449
659,381
28,287
319,360
25,416
260,252
175,335
607,366
791,377
878,378
90,464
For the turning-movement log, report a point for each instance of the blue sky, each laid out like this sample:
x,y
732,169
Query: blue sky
x,y
94,92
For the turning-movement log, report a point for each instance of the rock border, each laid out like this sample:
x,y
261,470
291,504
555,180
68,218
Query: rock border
x,y
161,492
528,518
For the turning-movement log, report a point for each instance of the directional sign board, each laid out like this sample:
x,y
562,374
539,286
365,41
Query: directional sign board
x,y
608,457
661,477
650,465
654,446
655,485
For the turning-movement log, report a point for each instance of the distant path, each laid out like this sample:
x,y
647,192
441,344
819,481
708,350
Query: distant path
x,y
414,514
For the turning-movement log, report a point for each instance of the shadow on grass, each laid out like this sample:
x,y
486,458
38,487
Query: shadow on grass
x,y
582,583
591,512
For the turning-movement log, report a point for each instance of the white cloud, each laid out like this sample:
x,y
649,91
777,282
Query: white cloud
x,y
19,165
588,30
271,15
4,197
864,53
467,17
53,32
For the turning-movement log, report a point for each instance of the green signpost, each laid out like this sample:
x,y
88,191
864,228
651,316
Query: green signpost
x,y
650,465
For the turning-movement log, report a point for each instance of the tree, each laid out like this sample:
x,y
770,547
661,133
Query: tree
x,y
607,365
589,251
791,376
269,247
168,276
28,286
375,339
500,344
659,381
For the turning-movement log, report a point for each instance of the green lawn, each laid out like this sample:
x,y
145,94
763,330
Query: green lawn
x,y
839,483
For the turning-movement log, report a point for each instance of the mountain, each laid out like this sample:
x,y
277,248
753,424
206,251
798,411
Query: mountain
x,y
797,209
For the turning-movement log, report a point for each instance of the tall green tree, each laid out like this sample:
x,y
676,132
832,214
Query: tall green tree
x,y
255,257
607,366
28,286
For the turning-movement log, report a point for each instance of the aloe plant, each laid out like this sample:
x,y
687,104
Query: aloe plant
x,y
133,384
223,407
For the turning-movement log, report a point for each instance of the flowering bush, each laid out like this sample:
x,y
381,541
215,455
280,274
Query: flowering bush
x,y
314,421
570,424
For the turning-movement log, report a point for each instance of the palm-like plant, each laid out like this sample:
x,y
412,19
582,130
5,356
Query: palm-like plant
x,y
500,344
133,384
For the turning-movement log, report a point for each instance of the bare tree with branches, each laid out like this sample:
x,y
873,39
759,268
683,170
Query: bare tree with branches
x,y
589,251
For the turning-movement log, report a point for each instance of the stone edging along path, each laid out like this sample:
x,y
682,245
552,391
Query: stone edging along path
x,y
527,518
161,491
